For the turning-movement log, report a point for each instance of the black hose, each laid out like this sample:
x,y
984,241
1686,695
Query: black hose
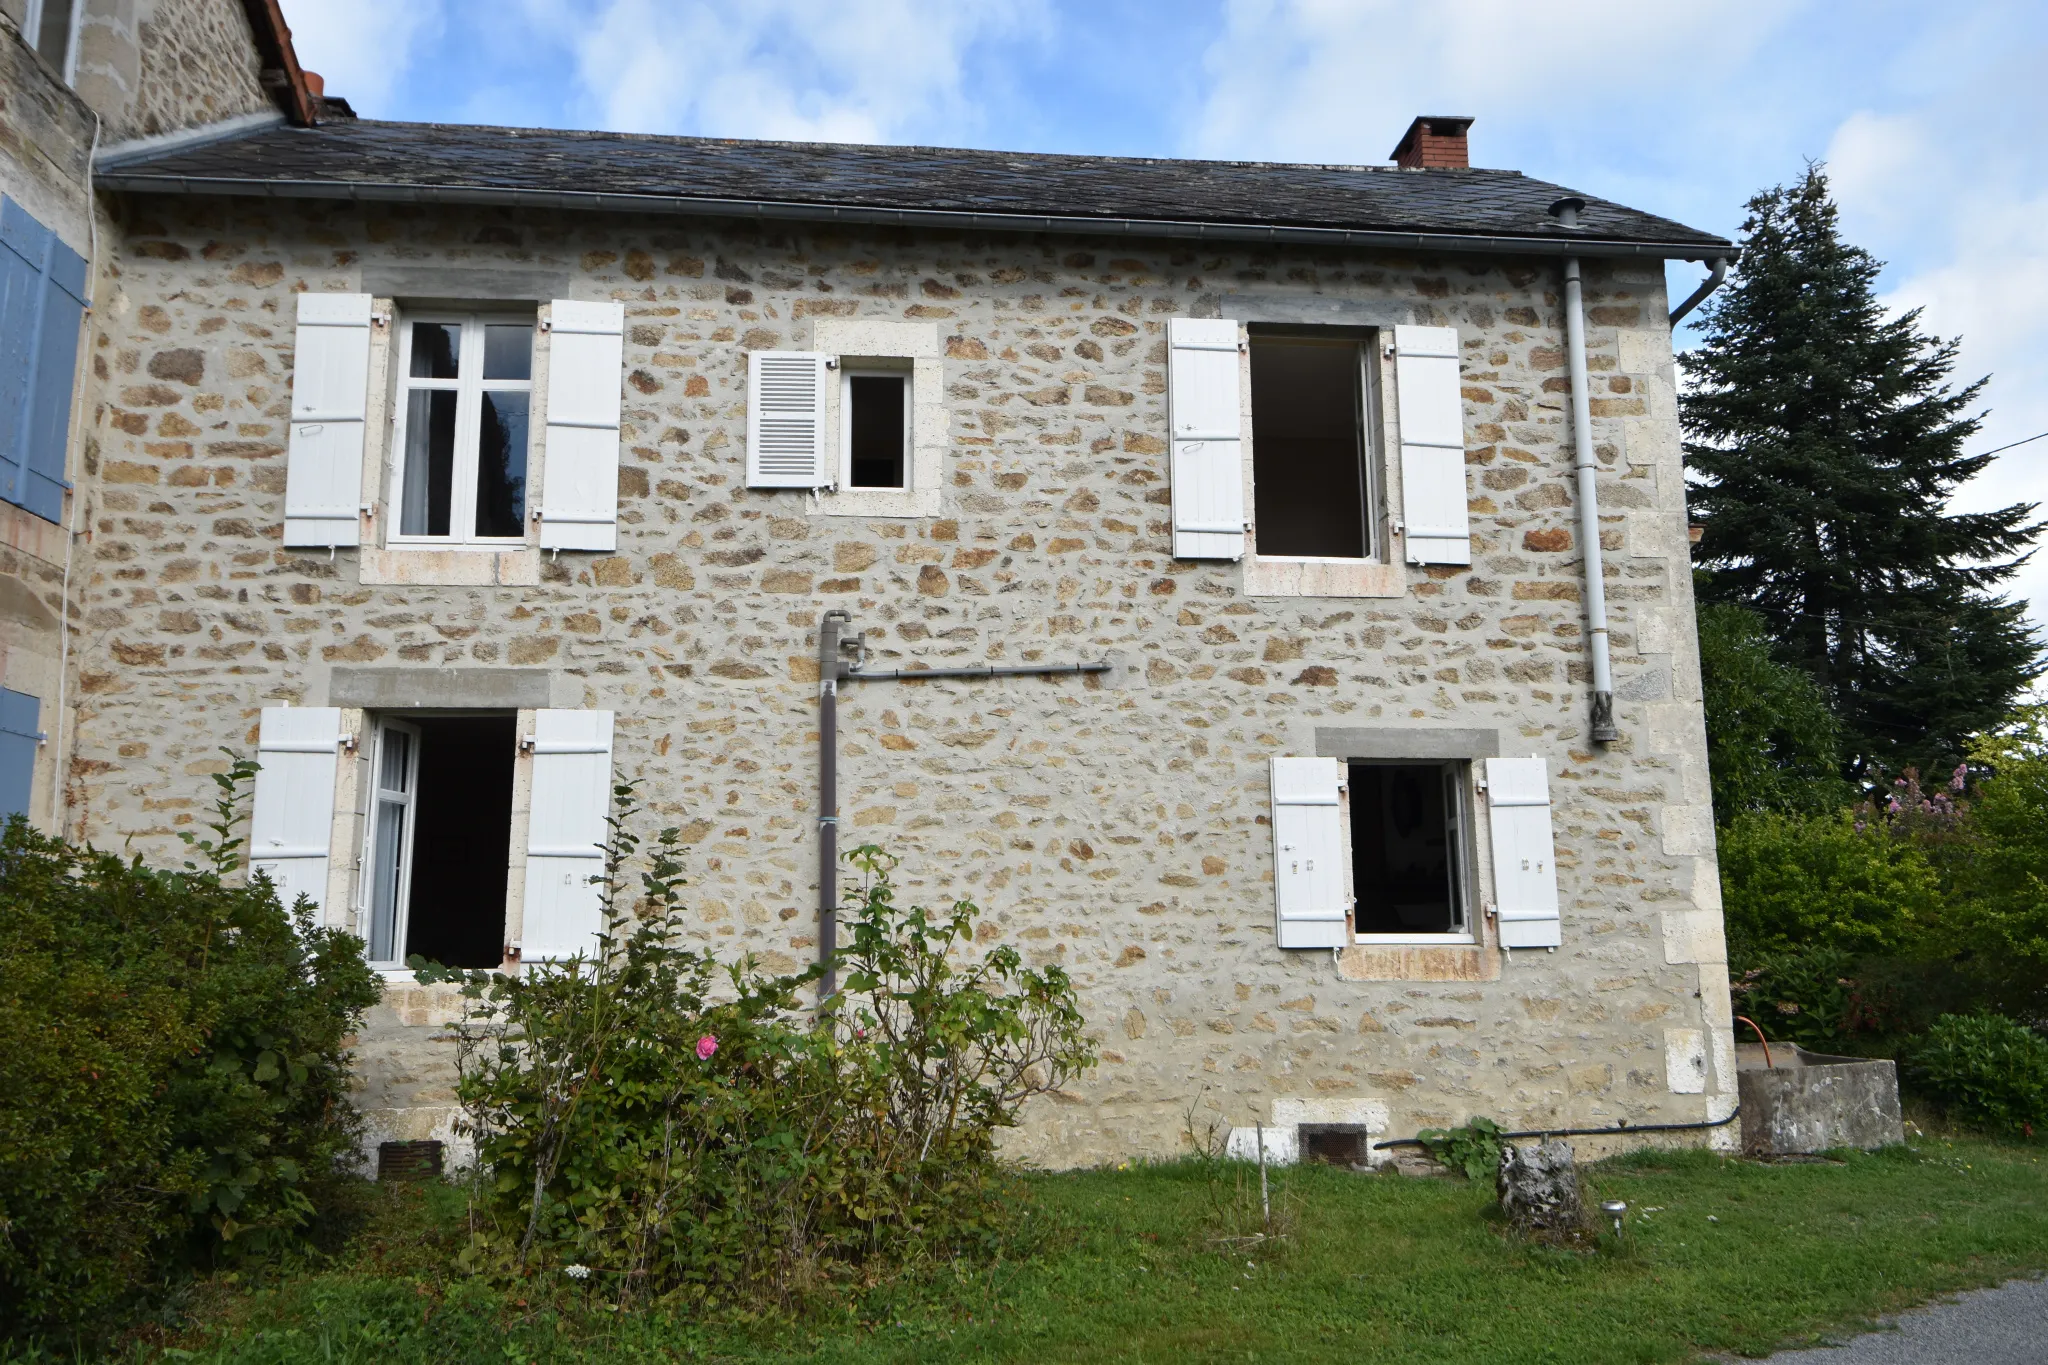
x,y
1626,1127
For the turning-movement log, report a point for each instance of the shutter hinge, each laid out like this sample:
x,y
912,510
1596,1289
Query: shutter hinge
x,y
526,744
381,319
348,742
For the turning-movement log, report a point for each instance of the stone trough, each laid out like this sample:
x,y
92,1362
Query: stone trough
x,y
1805,1102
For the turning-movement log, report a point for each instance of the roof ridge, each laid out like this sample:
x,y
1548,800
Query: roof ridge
x,y
1386,167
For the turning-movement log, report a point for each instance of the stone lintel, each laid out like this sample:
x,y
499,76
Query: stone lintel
x,y
1405,741
466,689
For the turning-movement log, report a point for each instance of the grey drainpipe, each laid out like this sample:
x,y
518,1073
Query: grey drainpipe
x,y
830,670
833,628
1603,731
1718,272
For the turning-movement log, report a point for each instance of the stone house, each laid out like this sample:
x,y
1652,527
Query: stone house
x,y
1300,552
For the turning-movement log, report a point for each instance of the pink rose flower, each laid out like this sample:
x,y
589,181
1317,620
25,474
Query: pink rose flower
x,y
705,1047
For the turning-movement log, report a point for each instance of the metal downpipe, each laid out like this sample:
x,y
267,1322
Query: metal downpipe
x,y
830,670
1717,274
1603,730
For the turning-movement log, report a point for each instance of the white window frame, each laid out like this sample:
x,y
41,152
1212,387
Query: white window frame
x,y
469,386
850,370
1380,572
379,796
32,26
1460,776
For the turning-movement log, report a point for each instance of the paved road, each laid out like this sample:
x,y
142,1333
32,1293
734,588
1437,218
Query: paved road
x,y
2003,1326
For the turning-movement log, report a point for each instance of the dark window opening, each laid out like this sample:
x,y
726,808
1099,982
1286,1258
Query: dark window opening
x,y
462,842
877,431
1407,848
1308,448
53,32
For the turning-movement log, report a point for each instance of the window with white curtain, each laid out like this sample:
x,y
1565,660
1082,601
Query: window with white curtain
x,y
462,437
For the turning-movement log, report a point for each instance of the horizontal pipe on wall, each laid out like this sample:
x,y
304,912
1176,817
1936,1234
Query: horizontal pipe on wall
x,y
977,671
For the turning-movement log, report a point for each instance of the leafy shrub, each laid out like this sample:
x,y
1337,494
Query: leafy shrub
x,y
173,1080
1473,1149
1821,998
1795,882
669,1125
1772,742
1985,1069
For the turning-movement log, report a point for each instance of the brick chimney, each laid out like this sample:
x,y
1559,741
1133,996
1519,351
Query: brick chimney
x,y
1434,142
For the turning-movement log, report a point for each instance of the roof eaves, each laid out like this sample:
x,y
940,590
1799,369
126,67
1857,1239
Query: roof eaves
x,y
140,181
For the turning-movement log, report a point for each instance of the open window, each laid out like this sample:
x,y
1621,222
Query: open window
x,y
439,839
51,27
1313,485
459,457
1410,849
874,426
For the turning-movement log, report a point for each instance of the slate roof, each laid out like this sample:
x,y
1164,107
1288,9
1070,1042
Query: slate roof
x,y
1371,205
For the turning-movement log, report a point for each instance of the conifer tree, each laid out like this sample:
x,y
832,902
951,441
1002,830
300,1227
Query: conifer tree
x,y
1824,441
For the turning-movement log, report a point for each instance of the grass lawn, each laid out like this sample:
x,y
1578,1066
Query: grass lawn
x,y
1719,1255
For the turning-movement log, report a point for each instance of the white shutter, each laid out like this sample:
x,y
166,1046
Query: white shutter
x,y
579,506
1432,445
786,420
1308,852
1524,856
291,828
572,795
1205,424
323,481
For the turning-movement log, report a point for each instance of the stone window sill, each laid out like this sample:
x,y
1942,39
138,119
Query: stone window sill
x,y
883,502
1268,576
451,568
1410,962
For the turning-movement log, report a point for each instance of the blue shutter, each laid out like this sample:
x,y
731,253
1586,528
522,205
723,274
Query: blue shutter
x,y
19,739
42,298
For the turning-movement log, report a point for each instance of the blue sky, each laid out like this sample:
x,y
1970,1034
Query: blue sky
x,y
1933,118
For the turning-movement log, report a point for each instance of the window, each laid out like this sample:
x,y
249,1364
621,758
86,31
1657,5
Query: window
x,y
1408,848
440,839
20,737
42,299
874,408
464,398
51,26
1312,483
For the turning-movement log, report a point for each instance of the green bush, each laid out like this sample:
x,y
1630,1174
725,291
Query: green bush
x,y
1796,882
173,1080
1986,1070
1772,743
654,1123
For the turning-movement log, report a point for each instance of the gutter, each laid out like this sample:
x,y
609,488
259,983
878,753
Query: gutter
x,y
380,191
1602,730
1717,274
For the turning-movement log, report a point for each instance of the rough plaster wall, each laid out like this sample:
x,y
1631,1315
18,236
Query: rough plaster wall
x,y
155,66
1118,828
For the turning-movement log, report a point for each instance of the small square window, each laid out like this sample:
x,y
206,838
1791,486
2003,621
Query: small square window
x,y
1408,855
875,427
459,458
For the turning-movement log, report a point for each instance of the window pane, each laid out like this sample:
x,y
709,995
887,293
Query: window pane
x,y
508,350
390,850
54,39
501,466
429,463
1404,849
876,429
397,757
436,349
1308,470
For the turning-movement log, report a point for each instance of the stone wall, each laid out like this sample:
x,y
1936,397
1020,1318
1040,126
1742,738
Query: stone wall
x,y
155,66
1116,825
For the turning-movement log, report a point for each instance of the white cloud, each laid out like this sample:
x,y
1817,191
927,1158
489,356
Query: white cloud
x,y
364,47
791,69
1338,80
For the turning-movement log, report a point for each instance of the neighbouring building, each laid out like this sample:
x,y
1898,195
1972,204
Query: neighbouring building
x,y
457,473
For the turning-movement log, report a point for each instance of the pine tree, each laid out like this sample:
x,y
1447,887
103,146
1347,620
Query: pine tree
x,y
1824,442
